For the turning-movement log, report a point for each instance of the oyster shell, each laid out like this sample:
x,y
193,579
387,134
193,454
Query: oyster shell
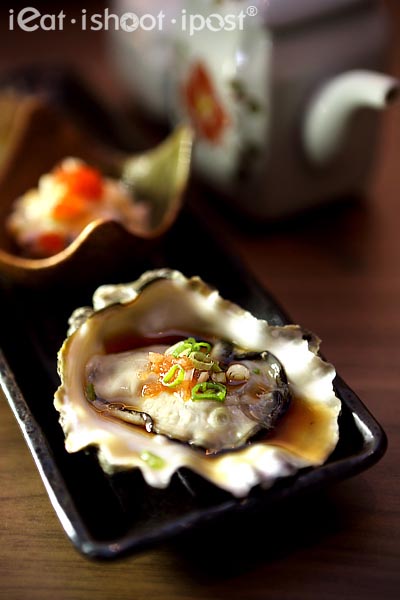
x,y
101,400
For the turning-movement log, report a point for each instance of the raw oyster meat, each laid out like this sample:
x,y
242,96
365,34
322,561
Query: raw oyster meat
x,y
231,404
163,373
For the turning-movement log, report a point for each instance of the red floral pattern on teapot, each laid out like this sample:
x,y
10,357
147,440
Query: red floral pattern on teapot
x,y
205,109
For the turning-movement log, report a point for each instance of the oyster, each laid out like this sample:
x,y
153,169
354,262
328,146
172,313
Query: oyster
x,y
201,403
163,373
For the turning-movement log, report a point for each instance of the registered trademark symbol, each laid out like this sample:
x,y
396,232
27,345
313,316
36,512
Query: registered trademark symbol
x,y
252,11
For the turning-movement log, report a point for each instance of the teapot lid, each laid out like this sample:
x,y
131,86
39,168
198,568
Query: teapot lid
x,y
278,13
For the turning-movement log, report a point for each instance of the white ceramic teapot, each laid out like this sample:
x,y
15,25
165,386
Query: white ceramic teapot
x,y
279,92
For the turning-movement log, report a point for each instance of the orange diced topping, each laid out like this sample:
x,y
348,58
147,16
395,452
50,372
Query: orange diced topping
x,y
84,186
50,243
160,364
70,208
82,181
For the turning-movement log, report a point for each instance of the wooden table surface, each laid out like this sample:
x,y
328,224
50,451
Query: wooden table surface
x,y
338,275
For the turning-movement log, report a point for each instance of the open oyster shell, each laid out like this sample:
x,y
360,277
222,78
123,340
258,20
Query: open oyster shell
x,y
163,302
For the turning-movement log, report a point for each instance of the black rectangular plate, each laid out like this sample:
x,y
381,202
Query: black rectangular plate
x,y
137,515
108,516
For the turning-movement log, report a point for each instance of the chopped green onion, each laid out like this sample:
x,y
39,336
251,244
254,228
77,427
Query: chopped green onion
x,y
199,345
154,461
209,391
216,368
174,376
179,349
185,347
90,392
256,371
201,361
182,350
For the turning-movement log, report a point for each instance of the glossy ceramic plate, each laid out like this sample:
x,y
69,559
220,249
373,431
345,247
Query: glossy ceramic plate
x,y
37,135
106,516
